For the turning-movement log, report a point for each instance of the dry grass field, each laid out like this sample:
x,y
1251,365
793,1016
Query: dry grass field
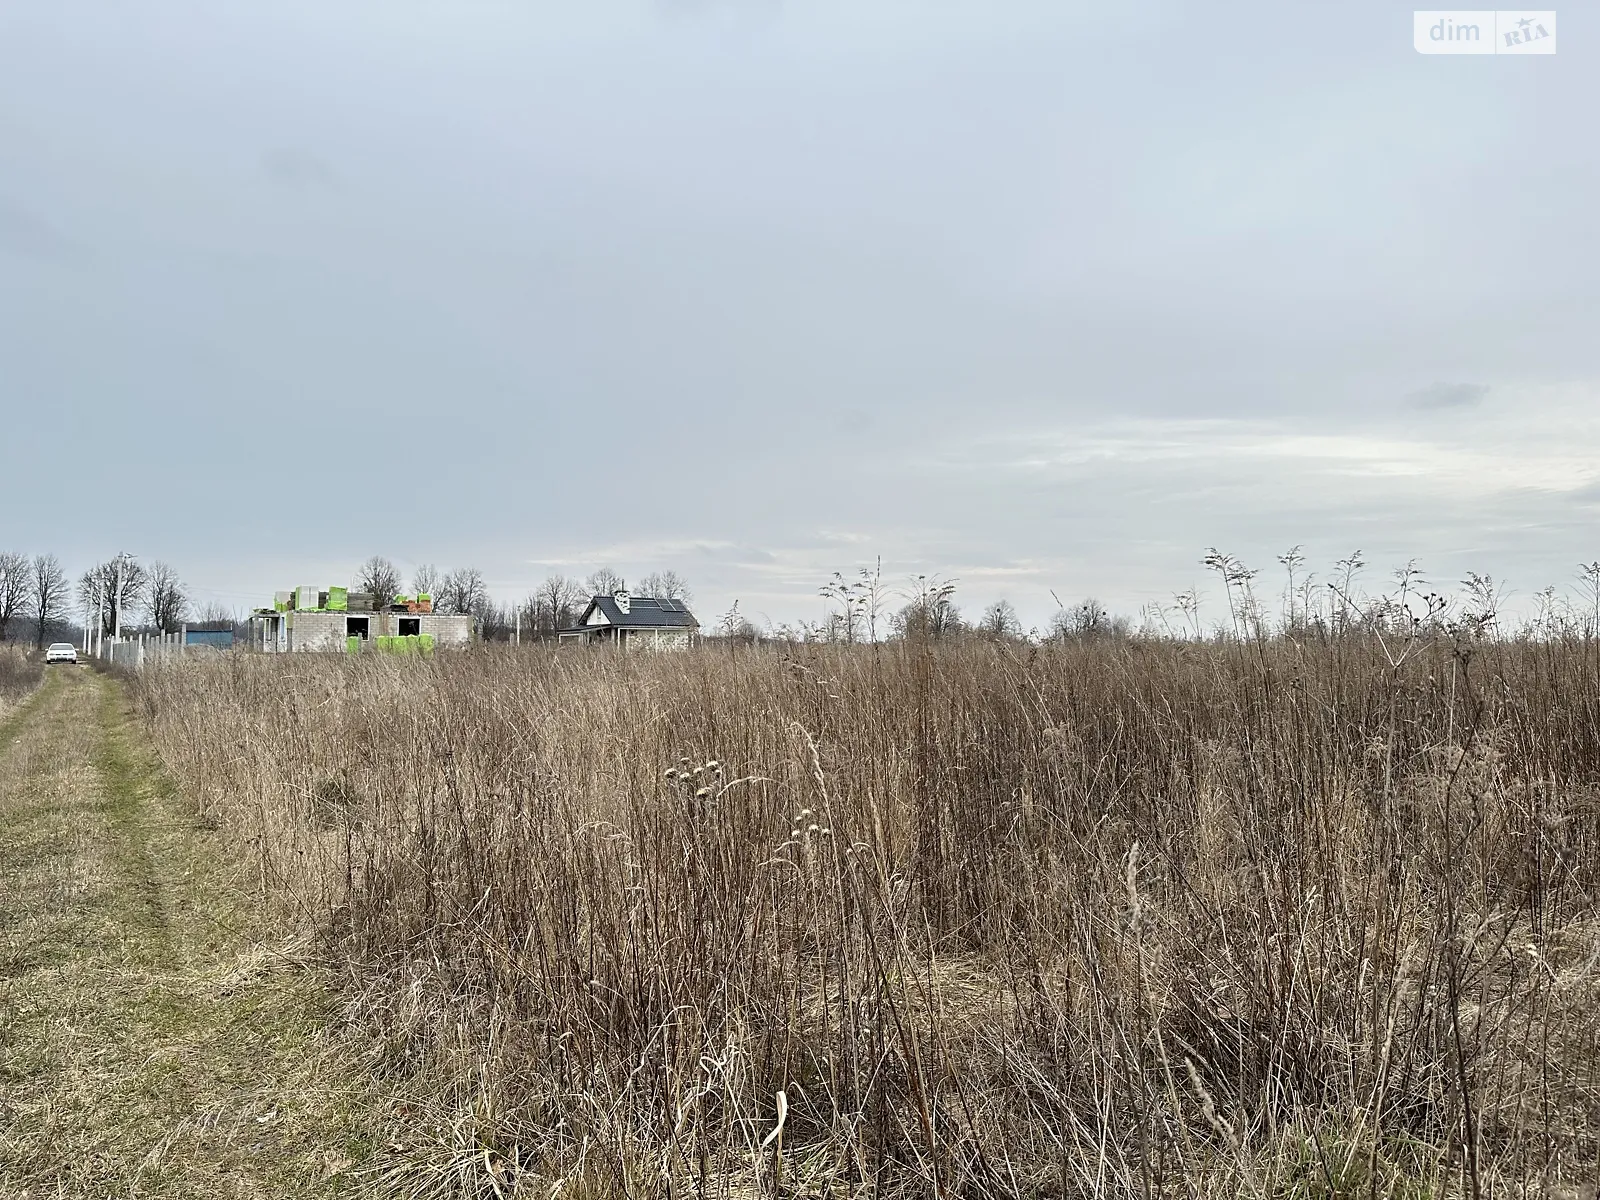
x,y
1111,917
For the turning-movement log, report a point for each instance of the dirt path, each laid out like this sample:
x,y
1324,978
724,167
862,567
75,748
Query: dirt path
x,y
150,1044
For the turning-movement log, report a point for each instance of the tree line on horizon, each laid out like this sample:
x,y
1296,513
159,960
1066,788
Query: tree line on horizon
x,y
38,602
863,610
557,603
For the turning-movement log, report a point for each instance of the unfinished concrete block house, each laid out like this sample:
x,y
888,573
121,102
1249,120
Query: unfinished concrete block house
x,y
341,621
637,622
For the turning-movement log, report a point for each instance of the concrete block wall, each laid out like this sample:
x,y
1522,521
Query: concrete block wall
x,y
316,631
446,631
326,631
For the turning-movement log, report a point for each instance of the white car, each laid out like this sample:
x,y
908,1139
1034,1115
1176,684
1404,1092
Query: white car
x,y
61,652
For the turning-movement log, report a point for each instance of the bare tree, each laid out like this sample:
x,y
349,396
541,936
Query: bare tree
x,y
217,613
112,590
1000,620
605,582
380,577
14,589
462,591
166,599
92,599
495,621
425,580
1089,621
668,585
47,594
555,604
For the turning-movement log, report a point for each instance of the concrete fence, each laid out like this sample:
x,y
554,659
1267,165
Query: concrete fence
x,y
136,651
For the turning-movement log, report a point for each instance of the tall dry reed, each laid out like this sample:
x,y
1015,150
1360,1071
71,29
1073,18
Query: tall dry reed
x,y
1120,917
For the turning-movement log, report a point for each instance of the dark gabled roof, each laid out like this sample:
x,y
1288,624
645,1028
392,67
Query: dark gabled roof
x,y
647,612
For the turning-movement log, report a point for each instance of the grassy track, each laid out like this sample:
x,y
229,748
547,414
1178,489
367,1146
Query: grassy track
x,y
150,1043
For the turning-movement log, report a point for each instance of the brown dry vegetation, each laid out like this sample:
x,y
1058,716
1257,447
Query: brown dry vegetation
x,y
1118,917
19,675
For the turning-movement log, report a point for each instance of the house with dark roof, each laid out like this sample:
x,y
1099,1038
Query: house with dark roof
x,y
635,622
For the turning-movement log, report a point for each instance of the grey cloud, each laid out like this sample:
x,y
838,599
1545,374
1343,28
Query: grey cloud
x,y
746,10
741,555
27,235
293,167
1449,395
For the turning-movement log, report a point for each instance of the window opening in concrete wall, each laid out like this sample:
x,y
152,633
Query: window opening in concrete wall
x,y
356,627
410,626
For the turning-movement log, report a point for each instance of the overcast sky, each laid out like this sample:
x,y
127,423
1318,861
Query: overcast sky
x,y
1041,296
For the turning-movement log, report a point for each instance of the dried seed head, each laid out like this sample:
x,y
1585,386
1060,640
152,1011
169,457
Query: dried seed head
x,y
703,792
